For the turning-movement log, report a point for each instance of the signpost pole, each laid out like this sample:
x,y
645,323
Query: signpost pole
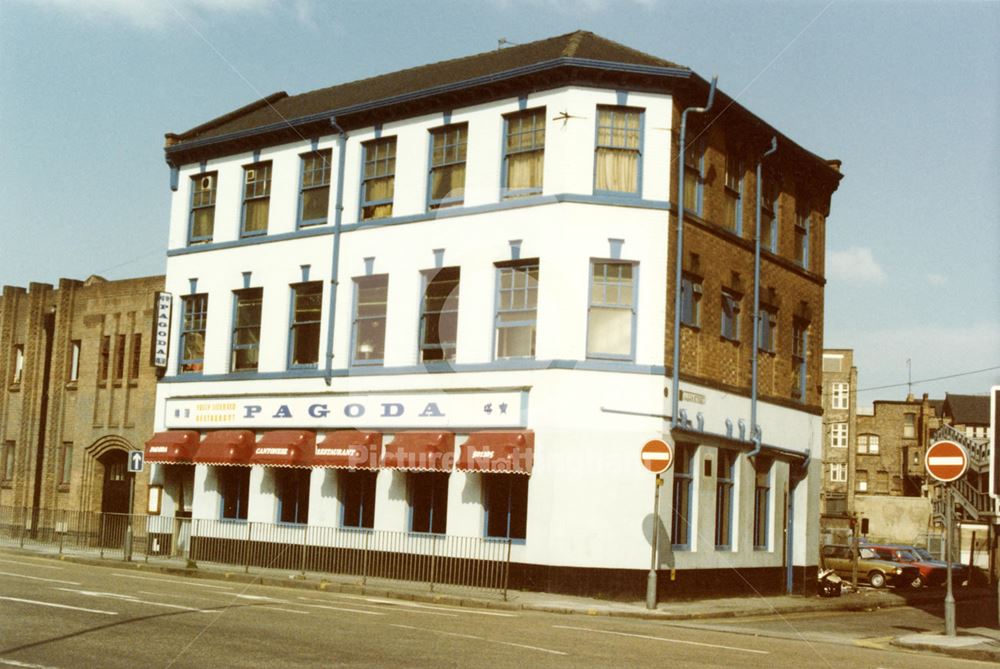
x,y
127,553
651,579
949,598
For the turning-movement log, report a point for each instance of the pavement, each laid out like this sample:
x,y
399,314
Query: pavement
x,y
978,643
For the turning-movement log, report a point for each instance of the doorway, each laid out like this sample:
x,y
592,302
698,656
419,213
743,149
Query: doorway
x,y
114,498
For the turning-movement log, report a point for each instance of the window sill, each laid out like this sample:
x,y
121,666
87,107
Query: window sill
x,y
7,485
729,340
691,326
71,385
14,387
63,487
311,224
680,548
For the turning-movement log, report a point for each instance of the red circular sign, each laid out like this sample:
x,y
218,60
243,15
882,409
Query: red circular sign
x,y
946,461
657,456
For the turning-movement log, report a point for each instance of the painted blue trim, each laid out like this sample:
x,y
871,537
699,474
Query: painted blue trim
x,y
377,130
256,155
203,166
615,248
246,279
369,266
522,102
515,248
175,177
506,365
314,144
607,199
621,98
434,91
438,258
446,117
193,286
305,272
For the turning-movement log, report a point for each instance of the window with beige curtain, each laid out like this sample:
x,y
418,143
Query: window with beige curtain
x,y
611,318
524,153
448,148
618,150
256,198
379,178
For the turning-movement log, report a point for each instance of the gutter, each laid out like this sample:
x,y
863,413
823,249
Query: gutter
x,y
754,428
335,261
679,253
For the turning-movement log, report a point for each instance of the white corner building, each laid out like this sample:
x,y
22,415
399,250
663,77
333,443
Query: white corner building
x,y
438,304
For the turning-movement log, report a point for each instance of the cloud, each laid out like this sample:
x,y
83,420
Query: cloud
x,y
150,14
575,6
856,264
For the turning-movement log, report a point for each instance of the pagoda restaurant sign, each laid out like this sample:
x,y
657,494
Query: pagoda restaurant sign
x,y
490,409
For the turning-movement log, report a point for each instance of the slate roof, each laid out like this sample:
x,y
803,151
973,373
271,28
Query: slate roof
x,y
280,107
967,409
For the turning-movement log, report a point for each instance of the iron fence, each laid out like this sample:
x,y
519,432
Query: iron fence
x,y
433,559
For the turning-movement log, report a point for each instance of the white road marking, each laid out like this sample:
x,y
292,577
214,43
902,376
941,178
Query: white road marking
x,y
37,578
337,608
481,638
27,665
133,599
58,606
383,607
31,564
276,608
173,581
397,602
659,638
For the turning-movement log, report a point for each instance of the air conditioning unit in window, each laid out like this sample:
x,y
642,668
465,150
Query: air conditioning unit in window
x,y
251,176
207,182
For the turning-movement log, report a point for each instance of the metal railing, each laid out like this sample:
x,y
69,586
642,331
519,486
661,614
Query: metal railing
x,y
433,559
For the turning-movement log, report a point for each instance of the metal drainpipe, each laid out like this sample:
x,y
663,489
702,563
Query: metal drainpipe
x,y
335,263
754,432
679,252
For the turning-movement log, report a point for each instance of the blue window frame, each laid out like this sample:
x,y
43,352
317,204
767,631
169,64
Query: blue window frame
x,y
800,348
769,216
517,309
724,499
201,225
439,315
256,198
690,300
357,498
802,236
731,316
612,314
378,178
371,300
292,484
303,336
734,194
694,176
234,489
523,153
768,328
314,195
194,322
246,329
505,499
618,152
761,503
428,493
446,187
680,524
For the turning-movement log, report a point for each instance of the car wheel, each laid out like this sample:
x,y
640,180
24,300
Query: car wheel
x,y
876,579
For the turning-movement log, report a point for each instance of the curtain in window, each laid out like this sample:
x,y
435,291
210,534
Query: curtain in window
x,y
524,170
448,182
617,170
610,331
255,216
378,190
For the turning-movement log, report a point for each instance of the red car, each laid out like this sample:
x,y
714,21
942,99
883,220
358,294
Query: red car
x,y
932,572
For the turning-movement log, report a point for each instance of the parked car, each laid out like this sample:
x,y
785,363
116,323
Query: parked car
x,y
931,573
959,571
871,567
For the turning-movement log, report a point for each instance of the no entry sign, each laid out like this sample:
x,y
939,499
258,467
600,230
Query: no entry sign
x,y
946,461
657,456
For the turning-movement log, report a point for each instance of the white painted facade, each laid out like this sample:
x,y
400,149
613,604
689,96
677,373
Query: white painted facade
x,y
589,499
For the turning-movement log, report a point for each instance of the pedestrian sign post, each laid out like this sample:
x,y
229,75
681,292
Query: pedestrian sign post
x,y
947,461
657,456
135,461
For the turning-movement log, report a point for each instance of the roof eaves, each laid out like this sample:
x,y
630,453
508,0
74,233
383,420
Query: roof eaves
x,y
682,73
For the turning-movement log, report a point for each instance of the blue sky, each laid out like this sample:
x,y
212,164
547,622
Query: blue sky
x,y
906,94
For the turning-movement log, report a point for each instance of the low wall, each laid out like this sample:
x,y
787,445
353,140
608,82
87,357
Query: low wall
x,y
903,520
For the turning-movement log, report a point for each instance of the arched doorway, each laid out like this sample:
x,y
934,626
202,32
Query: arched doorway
x,y
115,497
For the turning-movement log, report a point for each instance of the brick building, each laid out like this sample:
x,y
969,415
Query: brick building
x,y
840,403
77,392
